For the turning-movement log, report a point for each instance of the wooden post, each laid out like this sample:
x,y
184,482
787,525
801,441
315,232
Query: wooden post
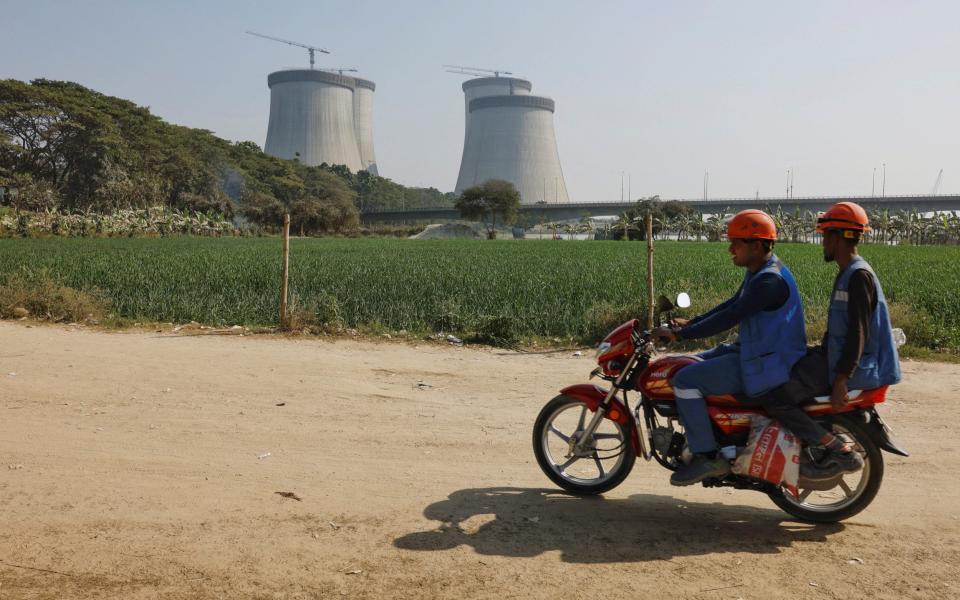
x,y
648,222
285,272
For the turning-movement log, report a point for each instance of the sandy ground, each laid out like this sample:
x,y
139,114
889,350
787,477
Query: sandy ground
x,y
140,465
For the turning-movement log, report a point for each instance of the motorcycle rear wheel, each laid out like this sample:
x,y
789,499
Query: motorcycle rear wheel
x,y
563,418
852,499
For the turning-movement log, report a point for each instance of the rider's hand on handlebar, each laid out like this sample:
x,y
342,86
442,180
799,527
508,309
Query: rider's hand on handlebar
x,y
679,322
664,334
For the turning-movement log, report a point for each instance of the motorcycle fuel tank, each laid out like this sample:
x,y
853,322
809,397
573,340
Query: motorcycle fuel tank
x,y
655,379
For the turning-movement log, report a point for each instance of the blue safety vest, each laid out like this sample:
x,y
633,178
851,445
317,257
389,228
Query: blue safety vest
x,y
879,364
772,341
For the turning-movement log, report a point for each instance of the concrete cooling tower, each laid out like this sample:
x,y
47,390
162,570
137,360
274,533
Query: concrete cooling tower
x,y
492,86
312,118
363,122
509,136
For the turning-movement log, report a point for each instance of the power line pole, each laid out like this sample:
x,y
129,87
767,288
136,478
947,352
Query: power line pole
x,y
884,188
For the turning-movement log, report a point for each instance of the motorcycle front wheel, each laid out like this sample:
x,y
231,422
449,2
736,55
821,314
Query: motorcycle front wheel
x,y
844,495
600,465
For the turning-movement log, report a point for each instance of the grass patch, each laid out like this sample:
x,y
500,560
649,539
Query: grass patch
x,y
496,330
320,314
39,295
498,292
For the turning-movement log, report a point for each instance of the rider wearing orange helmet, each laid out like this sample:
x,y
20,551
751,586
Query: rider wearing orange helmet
x,y
858,350
769,313
859,340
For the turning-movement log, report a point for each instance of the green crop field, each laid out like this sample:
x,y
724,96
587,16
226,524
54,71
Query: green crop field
x,y
503,289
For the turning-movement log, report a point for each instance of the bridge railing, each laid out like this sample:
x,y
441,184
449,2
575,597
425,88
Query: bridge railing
x,y
772,201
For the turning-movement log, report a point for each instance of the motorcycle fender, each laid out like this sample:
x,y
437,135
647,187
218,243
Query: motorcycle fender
x,y
882,435
593,395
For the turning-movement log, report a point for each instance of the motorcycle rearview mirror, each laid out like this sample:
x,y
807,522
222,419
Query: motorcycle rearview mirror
x,y
664,304
683,300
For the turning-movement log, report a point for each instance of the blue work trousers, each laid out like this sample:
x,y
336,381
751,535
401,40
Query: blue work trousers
x,y
718,373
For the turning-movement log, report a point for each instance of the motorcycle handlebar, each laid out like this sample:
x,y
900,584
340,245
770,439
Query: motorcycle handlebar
x,y
643,337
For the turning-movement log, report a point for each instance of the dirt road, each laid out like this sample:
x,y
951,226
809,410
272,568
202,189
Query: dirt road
x,y
140,465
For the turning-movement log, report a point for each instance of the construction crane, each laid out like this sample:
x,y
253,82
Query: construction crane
x,y
936,184
310,49
475,71
340,70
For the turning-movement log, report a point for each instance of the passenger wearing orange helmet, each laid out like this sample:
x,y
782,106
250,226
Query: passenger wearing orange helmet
x,y
858,350
859,339
772,338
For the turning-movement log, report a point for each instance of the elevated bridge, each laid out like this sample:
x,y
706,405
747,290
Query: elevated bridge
x,y
535,213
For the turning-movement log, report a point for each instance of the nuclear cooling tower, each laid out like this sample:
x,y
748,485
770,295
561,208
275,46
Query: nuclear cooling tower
x,y
363,122
312,118
509,136
492,86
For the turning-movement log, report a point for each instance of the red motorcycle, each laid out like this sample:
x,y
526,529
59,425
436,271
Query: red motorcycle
x,y
587,439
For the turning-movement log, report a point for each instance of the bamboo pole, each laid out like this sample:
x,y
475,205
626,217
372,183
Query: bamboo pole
x,y
648,222
285,272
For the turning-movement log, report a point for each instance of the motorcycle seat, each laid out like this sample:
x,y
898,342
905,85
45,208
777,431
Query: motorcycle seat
x,y
852,394
746,401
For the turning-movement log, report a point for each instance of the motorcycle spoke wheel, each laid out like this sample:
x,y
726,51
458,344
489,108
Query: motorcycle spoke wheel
x,y
601,464
848,493
591,467
847,487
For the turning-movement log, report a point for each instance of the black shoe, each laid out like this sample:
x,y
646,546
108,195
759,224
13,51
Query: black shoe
x,y
833,463
699,469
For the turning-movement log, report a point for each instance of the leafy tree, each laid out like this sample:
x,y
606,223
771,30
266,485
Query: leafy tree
x,y
666,216
306,215
487,200
216,203
30,195
339,215
263,209
66,147
716,225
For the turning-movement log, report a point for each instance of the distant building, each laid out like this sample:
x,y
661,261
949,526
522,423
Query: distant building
x,y
508,134
321,117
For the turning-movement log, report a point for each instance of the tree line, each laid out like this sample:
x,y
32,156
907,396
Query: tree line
x,y
888,227
70,149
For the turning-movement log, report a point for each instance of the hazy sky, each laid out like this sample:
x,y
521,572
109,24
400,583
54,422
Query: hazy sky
x,y
662,91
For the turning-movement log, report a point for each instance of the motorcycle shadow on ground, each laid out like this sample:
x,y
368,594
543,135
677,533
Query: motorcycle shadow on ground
x,y
525,522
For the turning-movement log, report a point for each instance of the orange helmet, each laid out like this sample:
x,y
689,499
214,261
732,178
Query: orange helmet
x,y
752,225
846,216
